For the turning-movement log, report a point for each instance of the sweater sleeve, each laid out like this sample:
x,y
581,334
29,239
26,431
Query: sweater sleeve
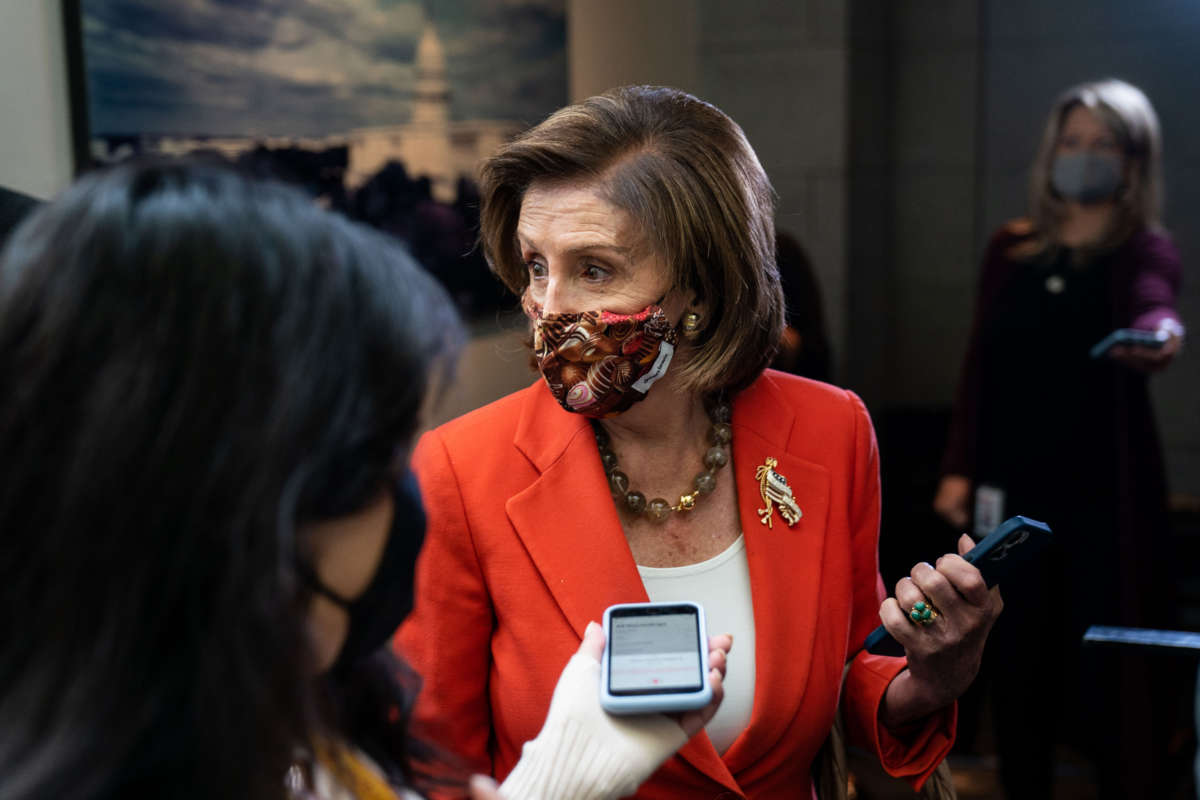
x,y
1154,288
447,638
584,753
914,752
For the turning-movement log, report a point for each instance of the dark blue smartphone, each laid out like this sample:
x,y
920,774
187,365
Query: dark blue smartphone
x,y
1014,542
1152,339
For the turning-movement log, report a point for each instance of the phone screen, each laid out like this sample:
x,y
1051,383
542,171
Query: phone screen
x,y
654,651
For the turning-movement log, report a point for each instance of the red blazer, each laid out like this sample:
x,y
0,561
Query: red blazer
x,y
524,548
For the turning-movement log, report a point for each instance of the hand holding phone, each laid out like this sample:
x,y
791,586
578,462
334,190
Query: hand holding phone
x,y
655,658
1003,551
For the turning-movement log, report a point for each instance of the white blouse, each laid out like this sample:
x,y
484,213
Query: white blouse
x,y
721,585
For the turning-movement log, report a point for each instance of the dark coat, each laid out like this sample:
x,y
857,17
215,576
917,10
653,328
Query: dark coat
x,y
1144,284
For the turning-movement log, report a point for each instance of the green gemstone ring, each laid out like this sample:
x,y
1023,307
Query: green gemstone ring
x,y
923,613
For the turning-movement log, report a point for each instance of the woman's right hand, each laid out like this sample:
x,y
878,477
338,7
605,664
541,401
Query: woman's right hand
x,y
951,502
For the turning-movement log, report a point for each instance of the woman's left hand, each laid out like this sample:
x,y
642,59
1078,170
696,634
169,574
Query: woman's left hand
x,y
943,656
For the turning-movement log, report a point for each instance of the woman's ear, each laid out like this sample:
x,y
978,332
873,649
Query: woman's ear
x,y
694,316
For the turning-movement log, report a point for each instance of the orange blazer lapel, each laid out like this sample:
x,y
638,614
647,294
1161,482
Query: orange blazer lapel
x,y
569,525
784,562
566,518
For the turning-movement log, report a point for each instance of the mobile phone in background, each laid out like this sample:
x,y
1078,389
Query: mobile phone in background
x,y
1127,336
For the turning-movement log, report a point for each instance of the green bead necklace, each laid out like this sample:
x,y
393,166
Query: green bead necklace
x,y
720,435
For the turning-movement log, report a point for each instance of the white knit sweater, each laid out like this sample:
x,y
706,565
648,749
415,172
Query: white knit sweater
x,y
585,753
581,753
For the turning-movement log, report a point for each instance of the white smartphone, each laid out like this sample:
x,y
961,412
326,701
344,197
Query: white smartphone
x,y
655,658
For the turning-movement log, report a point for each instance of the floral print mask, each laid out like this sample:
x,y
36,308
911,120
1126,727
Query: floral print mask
x,y
597,363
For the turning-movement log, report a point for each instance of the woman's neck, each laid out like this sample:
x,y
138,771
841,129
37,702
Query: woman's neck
x,y
668,419
1085,226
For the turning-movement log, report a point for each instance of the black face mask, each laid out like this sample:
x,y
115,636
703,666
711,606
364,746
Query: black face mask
x,y
378,611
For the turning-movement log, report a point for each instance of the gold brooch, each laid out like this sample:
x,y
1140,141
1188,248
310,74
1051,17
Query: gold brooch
x,y
775,492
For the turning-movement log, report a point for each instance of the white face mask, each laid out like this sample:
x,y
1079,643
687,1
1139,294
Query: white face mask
x,y
1086,177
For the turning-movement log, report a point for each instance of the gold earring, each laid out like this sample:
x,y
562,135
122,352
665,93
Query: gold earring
x,y
691,324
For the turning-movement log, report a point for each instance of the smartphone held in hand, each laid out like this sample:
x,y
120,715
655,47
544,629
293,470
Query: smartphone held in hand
x,y
655,658
1129,336
1001,554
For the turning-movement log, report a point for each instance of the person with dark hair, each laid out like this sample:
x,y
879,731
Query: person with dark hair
x,y
658,458
210,390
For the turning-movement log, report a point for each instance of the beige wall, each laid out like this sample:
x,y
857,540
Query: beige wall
x,y
622,42
35,134
492,364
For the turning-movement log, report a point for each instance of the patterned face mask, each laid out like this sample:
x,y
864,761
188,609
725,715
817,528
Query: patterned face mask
x,y
599,364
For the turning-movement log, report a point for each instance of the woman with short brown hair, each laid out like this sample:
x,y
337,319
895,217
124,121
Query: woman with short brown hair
x,y
658,459
689,180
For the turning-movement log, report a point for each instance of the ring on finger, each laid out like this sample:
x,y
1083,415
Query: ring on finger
x,y
923,613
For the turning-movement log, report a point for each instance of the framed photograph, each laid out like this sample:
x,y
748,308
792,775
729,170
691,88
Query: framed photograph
x,y
381,109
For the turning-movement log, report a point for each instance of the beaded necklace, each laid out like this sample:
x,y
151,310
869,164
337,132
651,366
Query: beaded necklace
x,y
720,435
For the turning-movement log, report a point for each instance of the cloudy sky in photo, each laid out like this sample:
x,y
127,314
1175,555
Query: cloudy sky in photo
x,y
312,67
